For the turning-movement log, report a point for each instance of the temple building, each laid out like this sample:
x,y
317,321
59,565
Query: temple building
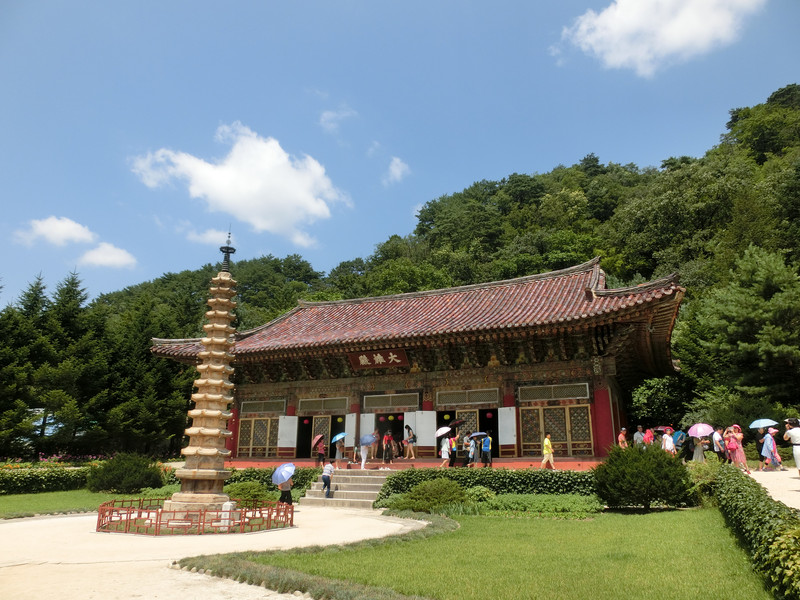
x,y
555,352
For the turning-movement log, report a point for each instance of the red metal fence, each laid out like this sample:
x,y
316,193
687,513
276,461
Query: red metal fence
x,y
147,516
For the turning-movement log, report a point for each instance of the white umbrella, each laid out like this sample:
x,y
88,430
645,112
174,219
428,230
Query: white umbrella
x,y
442,430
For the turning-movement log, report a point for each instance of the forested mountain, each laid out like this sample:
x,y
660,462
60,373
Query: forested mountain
x,y
79,377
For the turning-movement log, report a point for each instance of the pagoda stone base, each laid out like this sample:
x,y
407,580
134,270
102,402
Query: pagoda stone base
x,y
189,502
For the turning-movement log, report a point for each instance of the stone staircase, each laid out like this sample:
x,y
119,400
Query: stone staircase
x,y
350,488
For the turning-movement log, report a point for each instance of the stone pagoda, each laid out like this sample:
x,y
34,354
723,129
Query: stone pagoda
x,y
203,474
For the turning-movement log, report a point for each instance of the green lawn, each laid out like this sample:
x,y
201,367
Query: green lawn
x,y
26,505
613,556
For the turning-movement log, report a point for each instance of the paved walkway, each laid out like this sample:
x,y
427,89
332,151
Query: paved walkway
x,y
781,485
64,557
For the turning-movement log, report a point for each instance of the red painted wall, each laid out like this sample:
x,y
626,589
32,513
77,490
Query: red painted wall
x,y
602,422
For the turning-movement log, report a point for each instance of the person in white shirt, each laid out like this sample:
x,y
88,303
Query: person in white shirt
x,y
327,473
792,435
667,444
638,437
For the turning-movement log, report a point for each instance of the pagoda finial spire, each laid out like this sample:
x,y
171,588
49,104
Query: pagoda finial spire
x,y
227,250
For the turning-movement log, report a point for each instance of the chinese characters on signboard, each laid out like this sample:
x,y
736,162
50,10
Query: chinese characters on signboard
x,y
378,359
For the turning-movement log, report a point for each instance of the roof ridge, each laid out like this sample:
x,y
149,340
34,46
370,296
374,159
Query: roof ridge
x,y
589,265
668,280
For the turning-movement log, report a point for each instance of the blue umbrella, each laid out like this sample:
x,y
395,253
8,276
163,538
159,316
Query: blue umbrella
x,y
338,436
283,473
762,423
478,434
368,439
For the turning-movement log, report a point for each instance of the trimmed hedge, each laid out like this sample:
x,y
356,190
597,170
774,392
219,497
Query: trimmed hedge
x,y
57,479
545,505
32,481
500,481
769,529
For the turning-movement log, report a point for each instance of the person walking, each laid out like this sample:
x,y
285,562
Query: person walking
x,y
760,448
465,448
365,454
678,438
486,450
319,451
699,454
327,473
770,452
388,448
411,439
638,437
622,439
718,442
373,447
792,435
649,437
667,444
733,444
473,452
547,452
339,453
453,450
445,451
286,491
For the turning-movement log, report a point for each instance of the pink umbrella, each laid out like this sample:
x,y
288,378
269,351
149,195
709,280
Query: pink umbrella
x,y
699,430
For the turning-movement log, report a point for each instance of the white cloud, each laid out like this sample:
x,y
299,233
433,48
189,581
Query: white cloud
x,y
108,255
330,120
257,183
214,237
398,170
644,35
58,231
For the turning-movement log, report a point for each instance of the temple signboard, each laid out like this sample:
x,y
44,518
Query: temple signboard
x,y
378,359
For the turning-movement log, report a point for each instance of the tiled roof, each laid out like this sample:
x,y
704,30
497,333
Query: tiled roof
x,y
556,299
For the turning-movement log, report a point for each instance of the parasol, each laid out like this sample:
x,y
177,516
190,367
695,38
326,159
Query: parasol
x,y
758,423
338,436
699,430
283,473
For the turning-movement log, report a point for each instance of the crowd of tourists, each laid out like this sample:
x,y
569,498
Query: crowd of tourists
x,y
472,445
726,442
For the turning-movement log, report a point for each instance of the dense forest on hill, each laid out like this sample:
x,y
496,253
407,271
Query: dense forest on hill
x,y
78,377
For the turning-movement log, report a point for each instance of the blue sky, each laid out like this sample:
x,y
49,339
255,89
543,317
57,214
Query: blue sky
x,y
135,133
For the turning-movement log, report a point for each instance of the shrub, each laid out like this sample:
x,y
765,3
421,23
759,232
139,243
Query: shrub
x,y
249,490
642,476
125,474
32,481
500,481
165,491
703,476
769,529
429,495
480,493
388,501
